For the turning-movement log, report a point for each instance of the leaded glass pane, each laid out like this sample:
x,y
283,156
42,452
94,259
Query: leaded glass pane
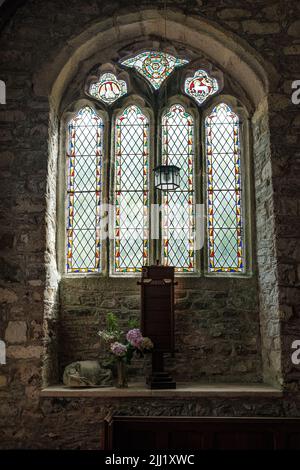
x,y
84,192
131,241
154,66
178,217
224,192
200,86
108,89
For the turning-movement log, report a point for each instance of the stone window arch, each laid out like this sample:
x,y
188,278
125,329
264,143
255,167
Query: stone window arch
x,y
251,80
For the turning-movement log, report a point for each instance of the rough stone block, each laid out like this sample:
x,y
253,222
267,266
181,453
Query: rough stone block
x,y
16,332
12,116
5,135
6,159
228,13
255,27
294,29
292,50
7,296
3,381
22,352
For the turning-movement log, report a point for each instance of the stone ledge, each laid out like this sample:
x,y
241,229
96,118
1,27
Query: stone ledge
x,y
184,390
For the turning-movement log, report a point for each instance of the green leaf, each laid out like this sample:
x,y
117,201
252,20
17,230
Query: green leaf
x,y
133,323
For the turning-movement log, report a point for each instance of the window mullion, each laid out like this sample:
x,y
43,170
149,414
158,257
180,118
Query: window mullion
x,y
201,184
107,182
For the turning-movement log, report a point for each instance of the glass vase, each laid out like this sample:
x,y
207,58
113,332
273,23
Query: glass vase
x,y
122,379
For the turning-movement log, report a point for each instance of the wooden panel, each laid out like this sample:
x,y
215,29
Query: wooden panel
x,y
293,441
157,293
204,433
243,440
134,439
158,272
189,439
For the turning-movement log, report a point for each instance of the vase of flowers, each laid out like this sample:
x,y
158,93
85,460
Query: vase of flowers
x,y
119,352
122,376
124,346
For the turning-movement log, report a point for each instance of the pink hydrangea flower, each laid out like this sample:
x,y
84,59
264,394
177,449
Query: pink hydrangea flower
x,y
118,349
134,337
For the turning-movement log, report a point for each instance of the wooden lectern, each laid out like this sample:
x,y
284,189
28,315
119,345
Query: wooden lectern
x,y
157,320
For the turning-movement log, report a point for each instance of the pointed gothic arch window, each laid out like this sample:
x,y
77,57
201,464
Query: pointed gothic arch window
x,y
84,191
224,191
137,137
178,218
131,191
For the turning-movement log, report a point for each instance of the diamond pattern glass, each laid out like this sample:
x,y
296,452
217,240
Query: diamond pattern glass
x,y
131,240
178,215
108,89
84,161
200,86
154,66
224,191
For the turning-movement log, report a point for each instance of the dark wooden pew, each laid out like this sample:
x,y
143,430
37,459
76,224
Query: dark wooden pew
x,y
200,433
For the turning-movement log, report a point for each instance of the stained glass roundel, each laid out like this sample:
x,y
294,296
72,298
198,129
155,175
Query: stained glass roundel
x,y
154,66
200,86
108,89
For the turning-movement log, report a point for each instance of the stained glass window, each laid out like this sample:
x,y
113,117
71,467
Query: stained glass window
x,y
178,206
200,86
129,216
131,237
154,66
108,89
84,192
225,230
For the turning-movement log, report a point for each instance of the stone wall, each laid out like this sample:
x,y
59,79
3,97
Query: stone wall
x,y
217,331
266,248
76,423
31,43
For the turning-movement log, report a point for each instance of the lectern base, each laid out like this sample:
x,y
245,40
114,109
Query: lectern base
x,y
160,380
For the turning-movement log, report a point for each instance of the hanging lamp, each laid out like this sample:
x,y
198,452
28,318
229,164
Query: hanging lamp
x,y
167,177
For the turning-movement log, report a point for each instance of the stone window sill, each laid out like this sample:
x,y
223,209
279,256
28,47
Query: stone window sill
x,y
183,390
